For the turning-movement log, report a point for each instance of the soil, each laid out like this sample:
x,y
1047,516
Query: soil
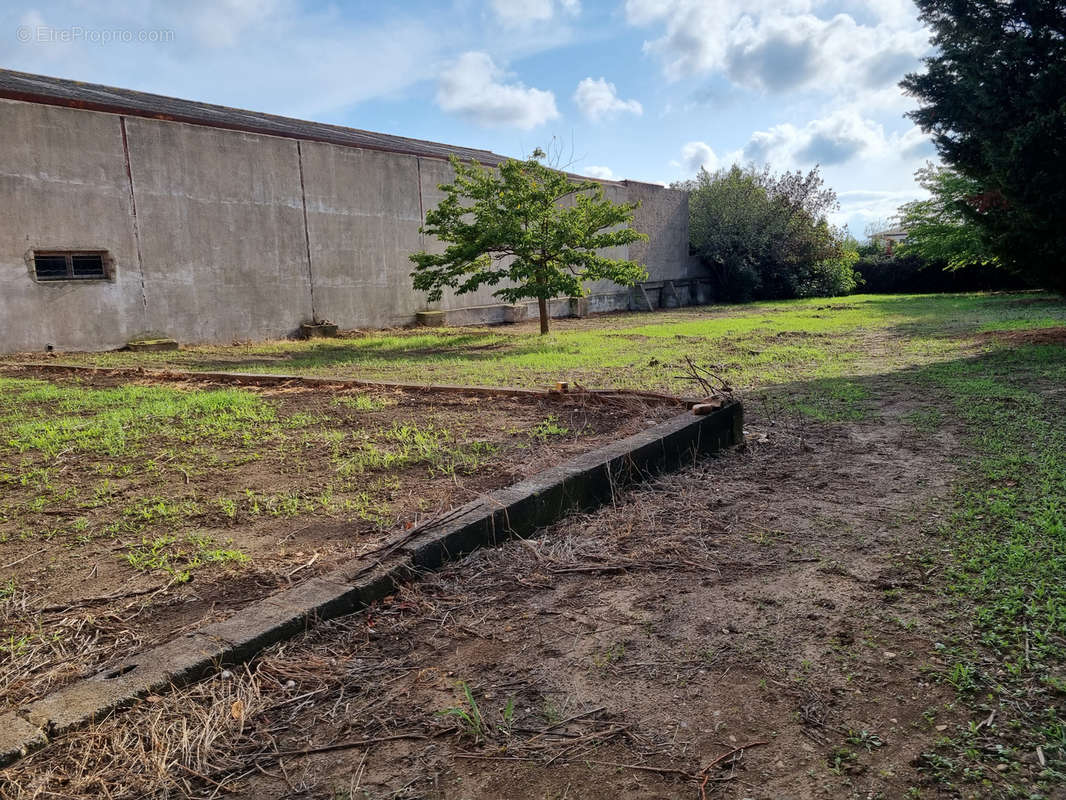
x,y
757,626
760,601
80,603
1023,337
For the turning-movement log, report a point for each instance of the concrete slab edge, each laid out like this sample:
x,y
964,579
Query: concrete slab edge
x,y
580,484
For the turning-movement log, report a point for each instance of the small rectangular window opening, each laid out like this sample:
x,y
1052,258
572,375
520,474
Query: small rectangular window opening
x,y
69,266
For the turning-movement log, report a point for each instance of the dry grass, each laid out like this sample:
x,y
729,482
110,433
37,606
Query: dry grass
x,y
41,651
356,681
177,743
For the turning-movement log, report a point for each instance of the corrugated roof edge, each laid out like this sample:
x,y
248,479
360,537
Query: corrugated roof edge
x,y
46,90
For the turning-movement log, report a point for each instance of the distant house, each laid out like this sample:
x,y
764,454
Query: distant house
x,y
891,237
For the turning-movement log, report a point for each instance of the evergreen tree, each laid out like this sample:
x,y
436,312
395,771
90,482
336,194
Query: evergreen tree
x,y
993,97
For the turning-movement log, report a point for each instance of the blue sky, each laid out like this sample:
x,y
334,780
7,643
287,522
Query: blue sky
x,y
644,89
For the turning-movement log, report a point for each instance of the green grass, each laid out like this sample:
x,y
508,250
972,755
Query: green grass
x,y
361,402
144,472
752,346
51,418
179,558
404,445
1006,647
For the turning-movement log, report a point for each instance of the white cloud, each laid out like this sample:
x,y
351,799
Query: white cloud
x,y
780,46
893,13
472,87
601,173
598,100
696,155
519,13
223,23
832,140
835,139
914,143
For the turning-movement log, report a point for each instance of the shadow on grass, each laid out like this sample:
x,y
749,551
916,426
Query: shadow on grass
x,y
949,316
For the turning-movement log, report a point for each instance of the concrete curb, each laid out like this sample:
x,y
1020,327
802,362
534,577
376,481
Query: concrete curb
x,y
583,483
271,379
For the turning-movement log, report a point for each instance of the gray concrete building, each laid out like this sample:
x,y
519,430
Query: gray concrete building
x,y
127,214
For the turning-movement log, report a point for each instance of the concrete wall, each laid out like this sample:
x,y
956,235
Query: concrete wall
x,y
216,235
663,216
63,185
220,222
363,216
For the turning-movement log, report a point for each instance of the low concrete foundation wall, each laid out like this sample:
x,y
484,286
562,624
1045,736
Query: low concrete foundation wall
x,y
583,483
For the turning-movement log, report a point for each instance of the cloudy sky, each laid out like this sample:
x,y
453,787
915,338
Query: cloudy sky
x,y
645,89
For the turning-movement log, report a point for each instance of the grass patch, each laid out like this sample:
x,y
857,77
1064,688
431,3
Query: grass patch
x,y
179,558
549,428
49,418
361,402
405,445
1007,537
832,400
925,420
752,345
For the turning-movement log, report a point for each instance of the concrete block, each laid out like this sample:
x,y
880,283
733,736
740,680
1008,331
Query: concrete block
x,y
18,738
280,616
579,307
430,319
516,313
318,330
149,345
612,301
119,686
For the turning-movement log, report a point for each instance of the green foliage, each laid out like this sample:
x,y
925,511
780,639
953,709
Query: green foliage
x,y
834,276
528,227
766,236
885,272
179,558
993,97
866,739
469,718
548,428
941,229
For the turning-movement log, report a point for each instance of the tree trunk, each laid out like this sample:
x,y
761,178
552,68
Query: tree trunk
x,y
542,305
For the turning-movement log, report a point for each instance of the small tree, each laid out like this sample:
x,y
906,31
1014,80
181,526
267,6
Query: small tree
x,y
518,224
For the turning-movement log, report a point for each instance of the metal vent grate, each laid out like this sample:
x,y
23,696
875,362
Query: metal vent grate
x,y
72,266
87,266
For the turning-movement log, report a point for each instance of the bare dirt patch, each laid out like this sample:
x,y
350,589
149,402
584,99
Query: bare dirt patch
x,y
1017,338
107,552
756,626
